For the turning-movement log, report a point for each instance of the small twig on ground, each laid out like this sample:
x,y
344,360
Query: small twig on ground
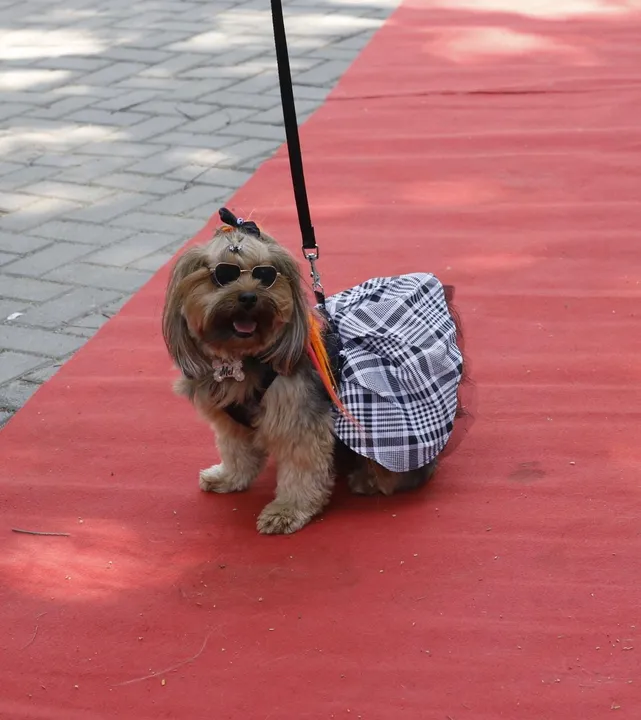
x,y
38,532
192,182
184,114
35,632
166,670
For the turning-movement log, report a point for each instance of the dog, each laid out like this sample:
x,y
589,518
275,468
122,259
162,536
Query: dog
x,y
237,324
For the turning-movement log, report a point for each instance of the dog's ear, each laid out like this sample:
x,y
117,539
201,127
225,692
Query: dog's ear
x,y
180,344
290,346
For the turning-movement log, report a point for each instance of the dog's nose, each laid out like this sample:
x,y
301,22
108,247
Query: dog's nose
x,y
247,299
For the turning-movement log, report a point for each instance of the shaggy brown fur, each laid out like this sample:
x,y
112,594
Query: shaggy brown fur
x,y
293,421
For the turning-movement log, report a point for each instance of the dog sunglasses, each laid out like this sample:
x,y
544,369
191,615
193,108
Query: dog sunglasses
x,y
226,273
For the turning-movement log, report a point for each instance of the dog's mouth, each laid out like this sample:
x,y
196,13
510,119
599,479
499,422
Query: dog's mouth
x,y
244,328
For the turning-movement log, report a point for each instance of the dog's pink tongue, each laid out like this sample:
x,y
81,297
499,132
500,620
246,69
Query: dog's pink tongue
x,y
244,326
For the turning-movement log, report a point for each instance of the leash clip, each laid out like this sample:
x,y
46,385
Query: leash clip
x,y
319,291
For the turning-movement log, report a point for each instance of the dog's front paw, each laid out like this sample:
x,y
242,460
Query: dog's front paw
x,y
279,518
217,479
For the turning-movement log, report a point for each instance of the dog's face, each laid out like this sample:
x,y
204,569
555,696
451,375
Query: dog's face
x,y
239,296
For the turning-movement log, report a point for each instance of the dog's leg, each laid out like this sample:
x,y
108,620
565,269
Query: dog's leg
x,y
299,427
371,479
241,460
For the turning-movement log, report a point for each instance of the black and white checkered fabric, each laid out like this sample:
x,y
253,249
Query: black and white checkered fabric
x,y
401,369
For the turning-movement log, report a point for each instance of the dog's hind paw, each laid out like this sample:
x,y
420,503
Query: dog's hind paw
x,y
278,518
217,479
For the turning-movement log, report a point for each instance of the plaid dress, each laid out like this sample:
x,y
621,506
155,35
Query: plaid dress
x,y
400,369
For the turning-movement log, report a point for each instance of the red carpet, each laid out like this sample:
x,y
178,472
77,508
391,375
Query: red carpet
x,y
499,146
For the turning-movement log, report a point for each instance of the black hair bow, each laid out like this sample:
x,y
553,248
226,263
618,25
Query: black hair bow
x,y
229,218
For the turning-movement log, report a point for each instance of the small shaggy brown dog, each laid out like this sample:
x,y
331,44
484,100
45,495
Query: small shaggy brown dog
x,y
236,323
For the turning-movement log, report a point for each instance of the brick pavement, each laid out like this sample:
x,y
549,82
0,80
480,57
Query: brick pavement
x,y
122,126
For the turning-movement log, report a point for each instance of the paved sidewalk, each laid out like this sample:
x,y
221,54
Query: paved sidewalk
x,y
122,126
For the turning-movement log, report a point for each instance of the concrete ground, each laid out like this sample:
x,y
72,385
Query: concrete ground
x,y
123,125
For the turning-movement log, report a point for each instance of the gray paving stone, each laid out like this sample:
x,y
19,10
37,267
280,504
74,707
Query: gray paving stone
x,y
188,199
95,91
90,322
212,142
323,74
111,207
9,306
307,92
67,191
123,149
244,100
12,109
54,161
134,100
82,64
238,65
186,110
36,341
30,289
205,41
246,149
159,164
106,117
275,115
27,98
329,52
5,417
63,107
173,65
143,183
90,169
355,43
151,222
219,120
80,332
222,177
203,212
15,394
156,40
36,213
66,308
42,79
113,73
137,55
258,130
111,309
10,202
266,81
80,232
125,253
8,167
153,262
44,373
152,127
99,276
47,259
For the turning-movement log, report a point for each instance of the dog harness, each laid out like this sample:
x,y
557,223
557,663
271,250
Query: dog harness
x,y
246,413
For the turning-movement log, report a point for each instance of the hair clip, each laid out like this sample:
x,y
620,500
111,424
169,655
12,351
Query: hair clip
x,y
234,249
245,225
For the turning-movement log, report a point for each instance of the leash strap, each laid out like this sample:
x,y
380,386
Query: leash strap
x,y
310,248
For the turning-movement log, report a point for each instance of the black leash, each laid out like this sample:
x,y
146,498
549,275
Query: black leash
x,y
310,248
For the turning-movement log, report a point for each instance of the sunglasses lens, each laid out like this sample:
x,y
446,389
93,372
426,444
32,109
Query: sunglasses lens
x,y
265,274
225,273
